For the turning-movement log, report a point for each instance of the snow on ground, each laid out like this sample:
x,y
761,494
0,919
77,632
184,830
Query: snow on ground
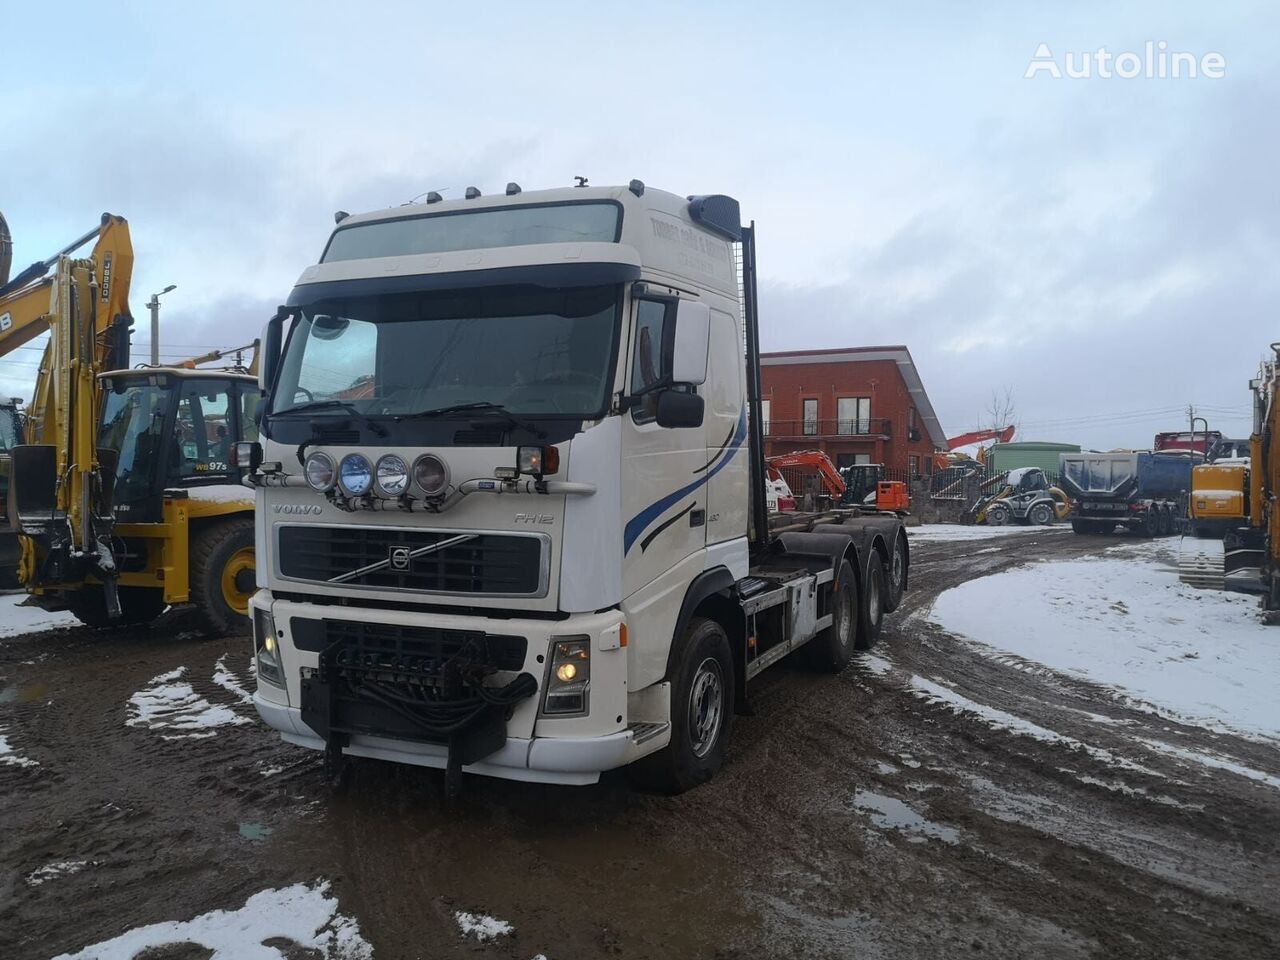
x,y
170,705
482,927
1125,621
305,916
16,619
10,757
939,532
60,869
223,677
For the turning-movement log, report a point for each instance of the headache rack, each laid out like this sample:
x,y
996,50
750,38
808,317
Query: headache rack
x,y
424,684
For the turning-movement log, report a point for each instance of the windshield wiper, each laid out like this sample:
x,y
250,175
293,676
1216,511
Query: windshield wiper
x,y
481,407
344,405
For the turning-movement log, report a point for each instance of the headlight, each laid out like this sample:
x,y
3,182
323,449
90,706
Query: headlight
x,y
393,475
569,679
355,474
267,647
431,474
319,471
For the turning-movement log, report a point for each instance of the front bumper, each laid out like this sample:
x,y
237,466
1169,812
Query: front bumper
x,y
571,749
562,760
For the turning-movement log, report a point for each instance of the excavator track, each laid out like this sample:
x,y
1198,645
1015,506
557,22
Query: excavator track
x,y
1201,564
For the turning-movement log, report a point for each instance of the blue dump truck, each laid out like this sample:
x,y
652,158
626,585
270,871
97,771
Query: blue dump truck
x,y
1142,491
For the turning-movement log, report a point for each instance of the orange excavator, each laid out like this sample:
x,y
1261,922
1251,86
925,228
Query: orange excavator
x,y
941,461
890,495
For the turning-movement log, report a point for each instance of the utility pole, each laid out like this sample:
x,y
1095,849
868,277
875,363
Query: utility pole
x,y
154,305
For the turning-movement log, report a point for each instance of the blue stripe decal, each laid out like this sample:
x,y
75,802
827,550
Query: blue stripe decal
x,y
642,520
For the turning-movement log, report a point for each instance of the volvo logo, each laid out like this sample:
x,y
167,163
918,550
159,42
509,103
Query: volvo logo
x,y
299,509
399,557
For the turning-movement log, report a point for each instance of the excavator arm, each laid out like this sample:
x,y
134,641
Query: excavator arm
x,y
815,460
60,489
1001,435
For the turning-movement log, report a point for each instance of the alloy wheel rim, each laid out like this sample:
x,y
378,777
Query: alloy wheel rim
x,y
240,562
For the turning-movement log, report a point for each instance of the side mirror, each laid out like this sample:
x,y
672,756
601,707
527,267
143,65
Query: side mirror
x,y
689,347
678,409
272,335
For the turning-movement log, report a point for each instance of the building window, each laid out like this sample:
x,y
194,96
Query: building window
x,y
914,462
810,418
766,408
928,466
852,459
853,415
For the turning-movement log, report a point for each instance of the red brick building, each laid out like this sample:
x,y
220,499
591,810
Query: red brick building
x,y
859,405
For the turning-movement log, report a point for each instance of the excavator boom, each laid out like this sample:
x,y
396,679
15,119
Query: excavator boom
x,y
1001,435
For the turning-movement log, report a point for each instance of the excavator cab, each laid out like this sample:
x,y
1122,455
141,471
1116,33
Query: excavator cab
x,y
860,481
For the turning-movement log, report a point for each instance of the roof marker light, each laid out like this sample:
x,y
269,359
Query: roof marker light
x,y
340,215
473,192
636,187
434,197
513,188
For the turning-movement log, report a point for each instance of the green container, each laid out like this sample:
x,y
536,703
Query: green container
x,y
1029,453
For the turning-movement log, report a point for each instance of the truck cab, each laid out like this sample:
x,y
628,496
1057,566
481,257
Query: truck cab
x,y
504,461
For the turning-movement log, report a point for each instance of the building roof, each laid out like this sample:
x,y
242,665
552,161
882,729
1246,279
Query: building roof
x,y
897,354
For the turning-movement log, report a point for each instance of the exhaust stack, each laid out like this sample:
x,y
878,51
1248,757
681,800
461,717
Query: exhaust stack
x,y
6,251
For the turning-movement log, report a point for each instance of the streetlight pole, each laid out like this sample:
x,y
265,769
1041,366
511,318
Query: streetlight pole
x,y
154,306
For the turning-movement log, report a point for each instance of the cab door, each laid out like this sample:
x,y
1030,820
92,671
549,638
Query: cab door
x,y
664,488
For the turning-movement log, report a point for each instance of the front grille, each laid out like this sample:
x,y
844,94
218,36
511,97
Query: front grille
x,y
417,651
436,561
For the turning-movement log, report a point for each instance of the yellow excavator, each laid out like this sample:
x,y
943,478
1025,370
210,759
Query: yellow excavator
x,y
123,495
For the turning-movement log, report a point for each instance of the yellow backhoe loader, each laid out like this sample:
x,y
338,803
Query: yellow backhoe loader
x,y
123,495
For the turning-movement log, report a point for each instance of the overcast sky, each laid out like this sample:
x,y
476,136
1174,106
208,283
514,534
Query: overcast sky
x,y
1105,248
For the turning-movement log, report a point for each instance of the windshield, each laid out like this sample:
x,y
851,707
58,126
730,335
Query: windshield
x,y
532,351
477,230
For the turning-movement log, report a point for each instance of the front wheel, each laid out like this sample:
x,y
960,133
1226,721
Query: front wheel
x,y
997,516
1041,515
702,686
222,576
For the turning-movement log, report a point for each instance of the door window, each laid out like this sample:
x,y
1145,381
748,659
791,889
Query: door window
x,y
652,319
810,418
202,431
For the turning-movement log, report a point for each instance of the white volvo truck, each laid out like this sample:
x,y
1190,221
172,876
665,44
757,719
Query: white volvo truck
x,y
510,495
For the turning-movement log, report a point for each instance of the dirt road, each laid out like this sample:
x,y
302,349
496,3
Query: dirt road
x,y
866,815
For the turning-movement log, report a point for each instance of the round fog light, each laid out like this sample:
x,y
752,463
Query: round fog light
x,y
430,474
355,473
319,471
566,672
393,475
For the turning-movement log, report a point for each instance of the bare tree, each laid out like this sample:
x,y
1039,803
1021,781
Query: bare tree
x,y
1002,410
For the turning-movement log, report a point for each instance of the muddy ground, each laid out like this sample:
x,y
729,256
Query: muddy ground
x,y
854,818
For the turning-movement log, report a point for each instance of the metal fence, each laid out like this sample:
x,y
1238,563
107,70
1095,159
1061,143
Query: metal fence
x,y
822,428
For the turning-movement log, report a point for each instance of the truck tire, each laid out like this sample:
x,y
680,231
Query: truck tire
x,y
833,648
895,581
702,686
997,515
1151,523
137,605
871,609
222,576
1041,515
1081,527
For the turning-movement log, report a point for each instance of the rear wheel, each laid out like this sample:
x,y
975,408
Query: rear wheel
x,y
1081,527
222,576
702,686
871,609
1152,524
897,574
1041,515
833,648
